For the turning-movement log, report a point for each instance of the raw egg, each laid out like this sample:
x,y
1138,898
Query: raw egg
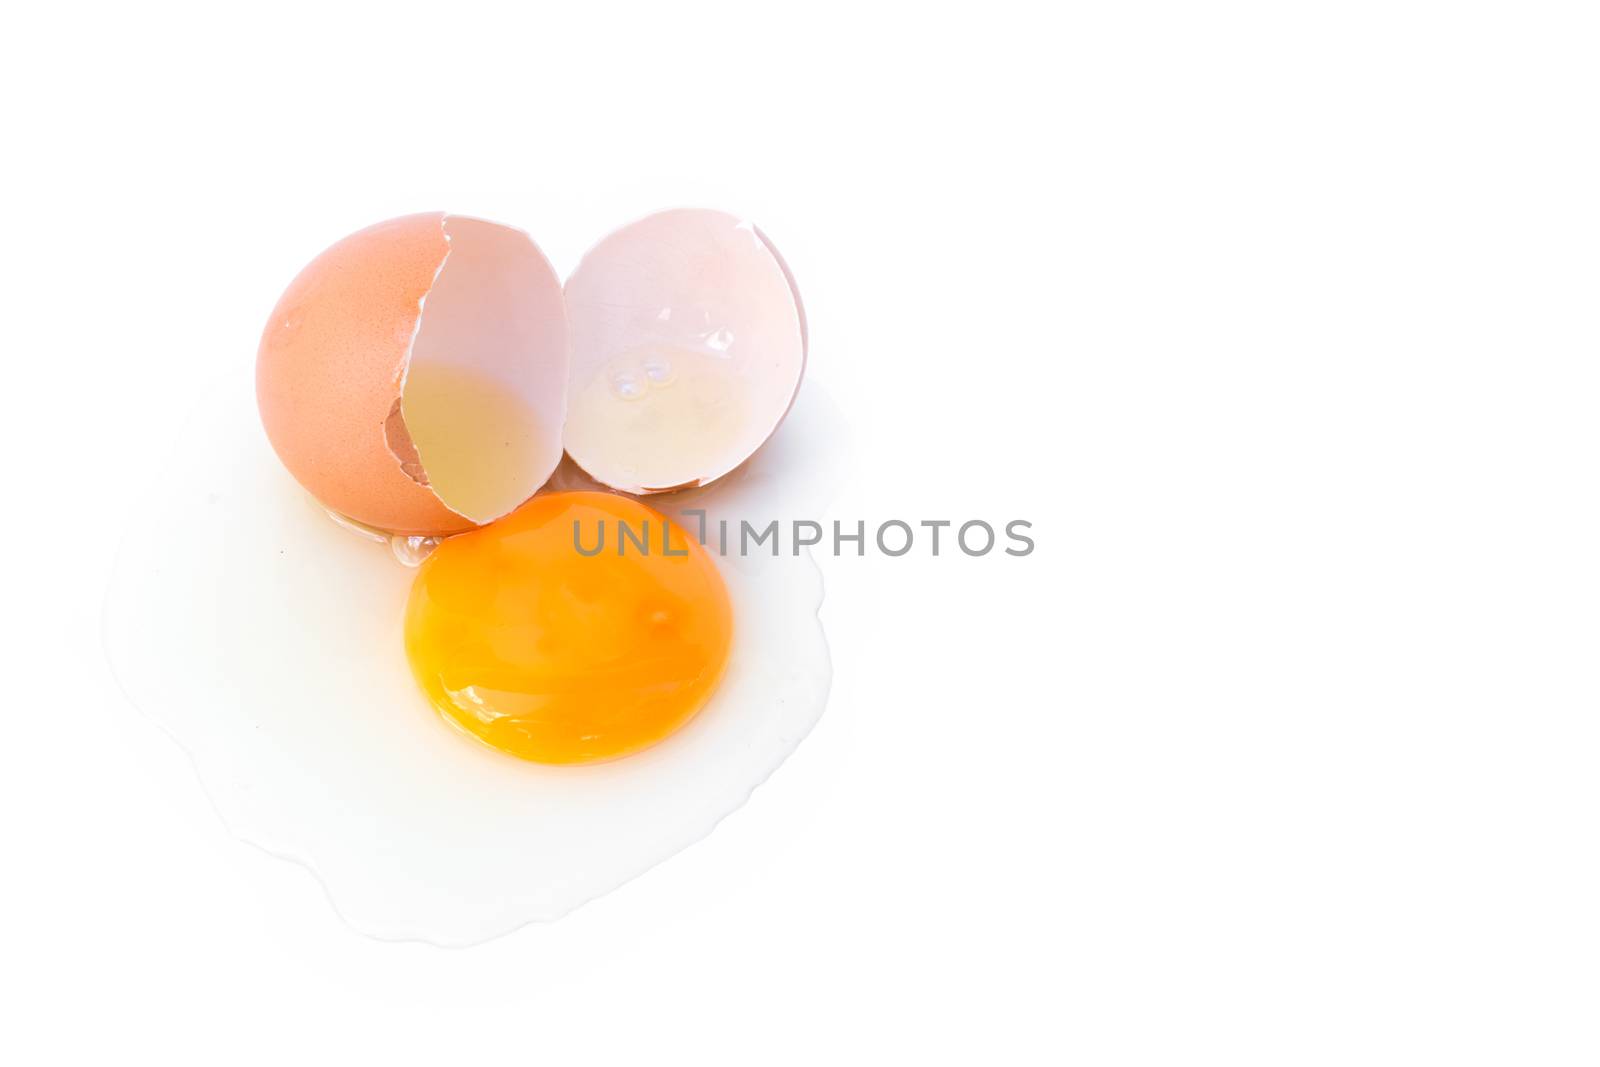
x,y
270,642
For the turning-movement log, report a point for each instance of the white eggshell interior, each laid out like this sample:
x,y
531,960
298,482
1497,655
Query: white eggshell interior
x,y
484,392
688,345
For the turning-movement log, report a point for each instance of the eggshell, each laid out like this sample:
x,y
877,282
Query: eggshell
x,y
689,344
329,370
461,319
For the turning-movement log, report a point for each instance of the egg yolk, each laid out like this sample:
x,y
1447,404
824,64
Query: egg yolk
x,y
526,640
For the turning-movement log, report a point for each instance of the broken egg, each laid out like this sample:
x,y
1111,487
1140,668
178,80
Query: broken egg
x,y
413,376
526,714
688,344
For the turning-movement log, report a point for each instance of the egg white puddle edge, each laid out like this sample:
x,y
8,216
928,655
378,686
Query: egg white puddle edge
x,y
267,642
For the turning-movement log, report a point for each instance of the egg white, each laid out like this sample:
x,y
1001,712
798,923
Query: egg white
x,y
266,640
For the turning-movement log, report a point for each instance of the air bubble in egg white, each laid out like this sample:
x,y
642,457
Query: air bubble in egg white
x,y
627,386
658,369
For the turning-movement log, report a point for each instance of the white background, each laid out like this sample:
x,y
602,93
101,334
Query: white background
x,y
1279,321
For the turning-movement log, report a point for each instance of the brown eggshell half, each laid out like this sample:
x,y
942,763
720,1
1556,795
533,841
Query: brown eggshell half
x,y
460,319
329,368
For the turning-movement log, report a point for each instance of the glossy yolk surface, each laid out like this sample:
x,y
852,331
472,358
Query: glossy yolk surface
x,y
556,656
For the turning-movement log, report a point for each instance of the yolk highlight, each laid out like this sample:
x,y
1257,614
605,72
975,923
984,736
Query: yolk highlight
x,y
559,657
